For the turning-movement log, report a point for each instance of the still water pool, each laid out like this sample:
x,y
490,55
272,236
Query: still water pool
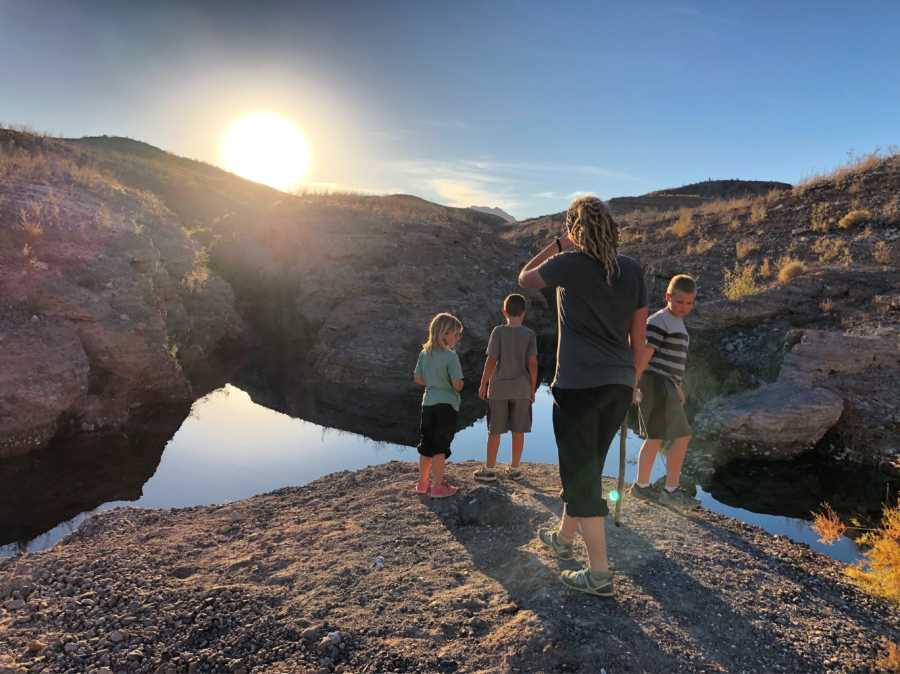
x,y
231,448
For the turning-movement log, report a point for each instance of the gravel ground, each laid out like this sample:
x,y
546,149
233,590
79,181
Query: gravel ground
x,y
291,581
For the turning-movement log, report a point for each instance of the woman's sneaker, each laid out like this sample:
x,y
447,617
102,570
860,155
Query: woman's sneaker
x,y
584,581
550,538
678,499
647,493
485,474
443,490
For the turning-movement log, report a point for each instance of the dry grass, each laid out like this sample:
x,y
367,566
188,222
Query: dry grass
x,y
879,574
702,246
789,269
195,280
886,253
745,247
685,223
819,219
890,661
826,305
845,175
832,250
828,525
765,269
740,282
758,211
720,206
854,218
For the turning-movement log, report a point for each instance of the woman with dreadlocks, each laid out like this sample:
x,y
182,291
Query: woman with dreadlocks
x,y
601,317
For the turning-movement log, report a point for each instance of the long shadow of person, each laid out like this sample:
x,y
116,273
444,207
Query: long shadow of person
x,y
662,618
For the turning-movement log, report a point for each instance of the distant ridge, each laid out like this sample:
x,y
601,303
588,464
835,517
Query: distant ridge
x,y
494,211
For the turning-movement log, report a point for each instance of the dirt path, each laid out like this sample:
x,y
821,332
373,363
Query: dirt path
x,y
284,582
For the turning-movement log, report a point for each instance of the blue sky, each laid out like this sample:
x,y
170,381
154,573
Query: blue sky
x,y
516,104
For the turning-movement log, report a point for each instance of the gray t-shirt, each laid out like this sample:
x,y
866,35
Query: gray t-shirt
x,y
512,346
593,319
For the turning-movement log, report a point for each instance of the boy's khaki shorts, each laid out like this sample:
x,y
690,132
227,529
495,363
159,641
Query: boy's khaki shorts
x,y
509,415
661,409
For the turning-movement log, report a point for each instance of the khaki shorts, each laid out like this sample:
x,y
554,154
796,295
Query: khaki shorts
x,y
509,415
661,409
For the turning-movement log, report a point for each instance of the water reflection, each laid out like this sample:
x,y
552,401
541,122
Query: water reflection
x,y
229,447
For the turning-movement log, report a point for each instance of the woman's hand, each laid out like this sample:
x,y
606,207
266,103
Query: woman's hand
x,y
681,397
483,391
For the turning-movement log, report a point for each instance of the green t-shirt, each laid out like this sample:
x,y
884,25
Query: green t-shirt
x,y
437,368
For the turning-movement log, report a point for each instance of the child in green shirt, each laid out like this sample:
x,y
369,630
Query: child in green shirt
x,y
438,369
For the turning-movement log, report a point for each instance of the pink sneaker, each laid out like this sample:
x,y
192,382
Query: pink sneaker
x,y
443,490
421,488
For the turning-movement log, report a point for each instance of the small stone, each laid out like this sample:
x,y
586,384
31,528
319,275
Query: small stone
x,y
14,604
116,636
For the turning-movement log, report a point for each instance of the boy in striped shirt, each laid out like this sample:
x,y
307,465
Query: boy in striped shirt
x,y
660,376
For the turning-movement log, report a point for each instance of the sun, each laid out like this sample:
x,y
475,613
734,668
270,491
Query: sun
x,y
267,148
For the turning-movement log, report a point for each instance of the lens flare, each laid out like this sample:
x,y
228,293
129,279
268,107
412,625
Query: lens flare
x,y
613,495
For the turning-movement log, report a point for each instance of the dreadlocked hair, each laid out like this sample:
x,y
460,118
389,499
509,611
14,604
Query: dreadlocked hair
x,y
593,231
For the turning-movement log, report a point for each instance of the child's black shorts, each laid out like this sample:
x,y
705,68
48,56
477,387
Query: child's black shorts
x,y
584,422
437,428
661,409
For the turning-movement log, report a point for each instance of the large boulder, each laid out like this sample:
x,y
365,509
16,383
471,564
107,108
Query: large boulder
x,y
775,421
825,376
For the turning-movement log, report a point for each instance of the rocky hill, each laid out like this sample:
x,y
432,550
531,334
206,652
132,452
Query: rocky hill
x,y
131,277
808,276
494,211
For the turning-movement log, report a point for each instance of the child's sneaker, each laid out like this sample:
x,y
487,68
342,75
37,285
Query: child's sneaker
x,y
443,490
421,488
514,473
587,582
678,499
550,538
647,493
485,474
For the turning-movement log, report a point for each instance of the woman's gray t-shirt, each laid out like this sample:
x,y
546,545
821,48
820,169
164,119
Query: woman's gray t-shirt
x,y
593,319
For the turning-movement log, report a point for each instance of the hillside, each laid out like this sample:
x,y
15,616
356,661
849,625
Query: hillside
x,y
815,268
198,261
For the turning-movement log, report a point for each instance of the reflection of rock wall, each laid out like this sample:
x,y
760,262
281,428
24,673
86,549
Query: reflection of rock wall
x,y
45,488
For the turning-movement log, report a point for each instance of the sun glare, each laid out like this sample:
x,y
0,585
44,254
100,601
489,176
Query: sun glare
x,y
267,148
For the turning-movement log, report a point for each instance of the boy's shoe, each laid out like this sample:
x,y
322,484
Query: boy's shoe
x,y
421,488
443,490
647,493
514,473
585,581
678,499
550,538
485,474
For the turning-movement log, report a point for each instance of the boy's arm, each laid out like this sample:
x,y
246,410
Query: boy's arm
x,y
533,371
490,366
419,380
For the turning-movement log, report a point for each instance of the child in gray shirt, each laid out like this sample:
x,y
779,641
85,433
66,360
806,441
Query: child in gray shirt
x,y
508,384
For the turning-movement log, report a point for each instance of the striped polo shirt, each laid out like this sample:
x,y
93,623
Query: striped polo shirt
x,y
669,337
